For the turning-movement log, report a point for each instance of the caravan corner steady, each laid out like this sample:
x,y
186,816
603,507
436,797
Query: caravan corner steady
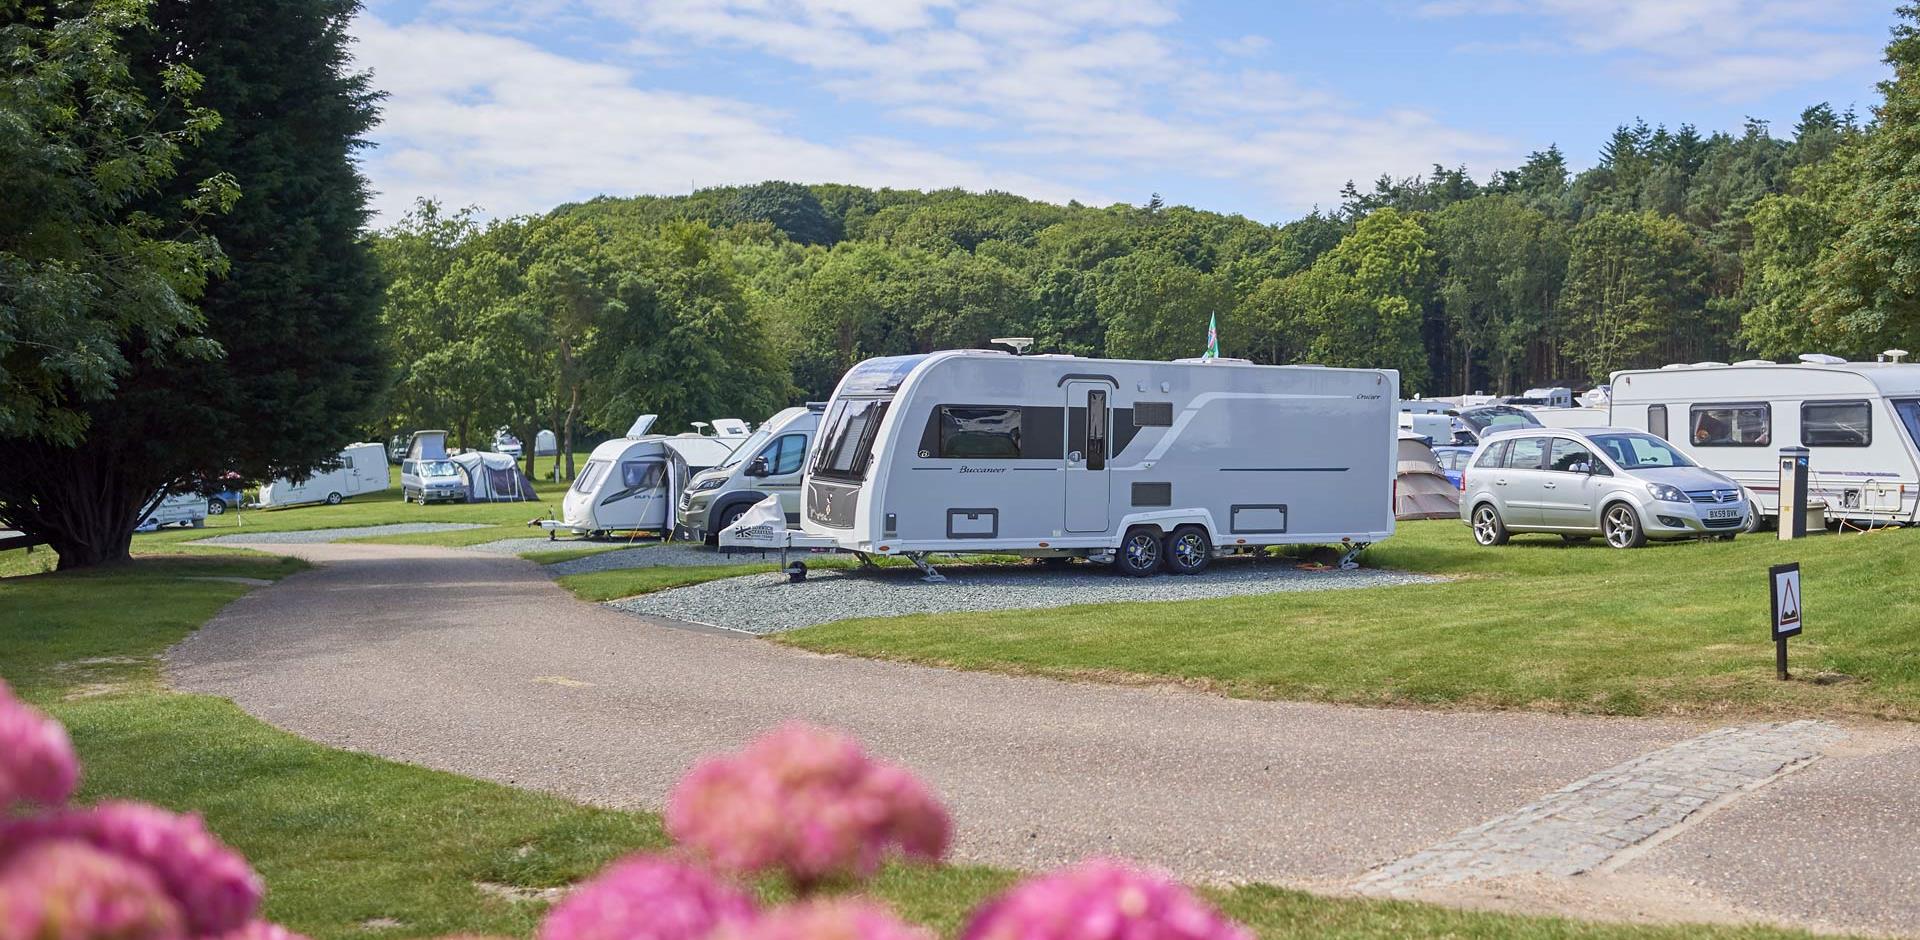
x,y
1143,465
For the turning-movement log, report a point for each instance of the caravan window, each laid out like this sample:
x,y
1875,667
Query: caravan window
x,y
1909,412
1836,424
1657,420
1743,425
642,474
848,439
589,476
979,433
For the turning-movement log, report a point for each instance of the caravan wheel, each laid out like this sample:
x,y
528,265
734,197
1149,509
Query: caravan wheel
x,y
1140,554
1189,551
333,499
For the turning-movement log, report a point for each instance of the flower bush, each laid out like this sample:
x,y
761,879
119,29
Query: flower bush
x,y
802,802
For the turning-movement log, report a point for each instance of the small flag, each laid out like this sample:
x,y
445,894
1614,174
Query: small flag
x,y
1213,336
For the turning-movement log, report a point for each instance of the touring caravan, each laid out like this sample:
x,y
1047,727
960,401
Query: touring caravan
x,y
634,483
770,463
1859,420
182,509
362,469
1145,465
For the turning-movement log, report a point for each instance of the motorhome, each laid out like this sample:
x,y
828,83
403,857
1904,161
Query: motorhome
x,y
1860,422
770,463
362,468
633,484
1144,465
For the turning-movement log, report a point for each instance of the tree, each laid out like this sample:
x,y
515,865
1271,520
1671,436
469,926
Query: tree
x,y
1361,303
1502,266
1868,285
790,207
1632,280
1153,307
87,278
296,313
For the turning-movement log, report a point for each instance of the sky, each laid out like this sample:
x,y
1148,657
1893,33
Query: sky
x,y
1259,108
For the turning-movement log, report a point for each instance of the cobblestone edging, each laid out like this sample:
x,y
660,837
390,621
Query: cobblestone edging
x,y
1583,825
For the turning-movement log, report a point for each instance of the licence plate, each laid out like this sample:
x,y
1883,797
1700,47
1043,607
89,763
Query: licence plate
x,y
1723,513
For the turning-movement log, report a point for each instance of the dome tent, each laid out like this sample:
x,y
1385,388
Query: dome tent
x,y
493,478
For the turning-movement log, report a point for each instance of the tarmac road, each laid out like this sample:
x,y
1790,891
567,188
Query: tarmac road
x,y
479,664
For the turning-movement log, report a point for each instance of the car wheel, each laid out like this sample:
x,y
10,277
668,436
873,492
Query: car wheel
x,y
333,499
1188,550
1622,527
727,518
1487,527
1139,555
216,506
1755,521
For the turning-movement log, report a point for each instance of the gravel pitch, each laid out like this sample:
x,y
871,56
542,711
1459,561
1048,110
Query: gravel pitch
x,y
305,536
767,603
516,546
650,556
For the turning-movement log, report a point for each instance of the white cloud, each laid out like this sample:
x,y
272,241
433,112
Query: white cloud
x,y
1711,46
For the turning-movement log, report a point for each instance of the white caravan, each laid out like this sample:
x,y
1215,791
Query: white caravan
x,y
1858,420
1141,464
632,484
362,469
185,509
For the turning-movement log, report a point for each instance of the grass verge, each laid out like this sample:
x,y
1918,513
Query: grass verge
x,y
354,846
1670,629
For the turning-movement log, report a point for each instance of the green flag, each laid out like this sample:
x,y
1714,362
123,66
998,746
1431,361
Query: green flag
x,y
1213,336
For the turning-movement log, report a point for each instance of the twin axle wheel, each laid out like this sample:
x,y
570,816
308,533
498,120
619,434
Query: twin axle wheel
x,y
1144,551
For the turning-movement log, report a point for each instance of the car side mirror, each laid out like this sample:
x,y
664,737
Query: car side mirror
x,y
757,467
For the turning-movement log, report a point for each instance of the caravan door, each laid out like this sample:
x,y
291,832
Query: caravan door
x,y
1089,418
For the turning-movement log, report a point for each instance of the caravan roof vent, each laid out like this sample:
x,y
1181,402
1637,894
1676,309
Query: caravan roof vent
x,y
1220,360
1893,355
1756,362
1675,365
1822,359
641,424
1019,343
1707,365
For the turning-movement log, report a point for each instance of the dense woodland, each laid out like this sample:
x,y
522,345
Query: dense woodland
x,y
1676,245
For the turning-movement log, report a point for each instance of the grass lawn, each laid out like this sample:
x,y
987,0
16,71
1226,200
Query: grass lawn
x,y
354,846
1669,629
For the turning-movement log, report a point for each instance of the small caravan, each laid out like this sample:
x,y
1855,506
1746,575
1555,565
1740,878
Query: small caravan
x,y
770,463
1146,465
634,483
362,469
182,509
1860,422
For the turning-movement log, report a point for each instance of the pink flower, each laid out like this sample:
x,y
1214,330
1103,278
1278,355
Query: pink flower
x,y
37,763
259,930
831,919
214,887
646,898
807,801
65,890
1100,900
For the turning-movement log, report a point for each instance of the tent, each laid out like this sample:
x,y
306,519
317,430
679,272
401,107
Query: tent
x,y
493,478
545,444
1422,490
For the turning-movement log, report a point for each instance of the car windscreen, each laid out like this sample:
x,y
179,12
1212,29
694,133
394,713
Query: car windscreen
x,y
1639,451
438,468
1498,417
751,446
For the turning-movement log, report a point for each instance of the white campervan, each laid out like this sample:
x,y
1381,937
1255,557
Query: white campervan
x,y
772,462
1859,421
1142,464
633,484
362,469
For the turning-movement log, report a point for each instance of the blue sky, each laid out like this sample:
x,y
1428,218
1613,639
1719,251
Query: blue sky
x,y
1258,108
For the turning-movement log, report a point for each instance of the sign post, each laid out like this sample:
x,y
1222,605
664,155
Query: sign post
x,y
1785,581
1793,493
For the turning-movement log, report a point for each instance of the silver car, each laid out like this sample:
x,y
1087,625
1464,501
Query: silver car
x,y
1623,485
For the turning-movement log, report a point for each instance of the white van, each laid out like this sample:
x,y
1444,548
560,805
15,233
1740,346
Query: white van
x,y
1860,422
770,463
362,469
1148,466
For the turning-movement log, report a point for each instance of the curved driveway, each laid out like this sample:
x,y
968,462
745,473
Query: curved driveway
x,y
480,665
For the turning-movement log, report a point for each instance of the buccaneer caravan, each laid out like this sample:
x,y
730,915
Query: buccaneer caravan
x,y
632,484
1858,420
1142,464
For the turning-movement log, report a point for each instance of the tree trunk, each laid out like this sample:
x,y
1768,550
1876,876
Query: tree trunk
x,y
566,442
83,502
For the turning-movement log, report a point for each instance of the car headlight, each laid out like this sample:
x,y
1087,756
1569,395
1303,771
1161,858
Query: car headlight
x,y
713,484
1666,493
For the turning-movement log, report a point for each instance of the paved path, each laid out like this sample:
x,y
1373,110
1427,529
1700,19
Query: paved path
x,y
480,665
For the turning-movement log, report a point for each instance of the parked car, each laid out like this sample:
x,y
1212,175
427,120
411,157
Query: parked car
x,y
397,448
1623,485
505,443
1471,425
427,480
1452,459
